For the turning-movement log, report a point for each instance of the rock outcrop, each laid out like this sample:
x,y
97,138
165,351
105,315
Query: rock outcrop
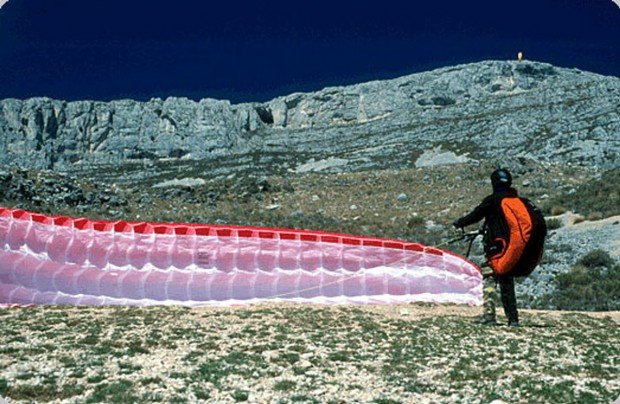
x,y
488,109
46,133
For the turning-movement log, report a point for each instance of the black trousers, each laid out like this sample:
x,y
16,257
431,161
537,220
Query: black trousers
x,y
509,299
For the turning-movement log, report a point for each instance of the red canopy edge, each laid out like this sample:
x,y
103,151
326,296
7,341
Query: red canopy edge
x,y
122,226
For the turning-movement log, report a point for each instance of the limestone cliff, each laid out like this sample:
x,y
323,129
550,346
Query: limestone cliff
x,y
487,109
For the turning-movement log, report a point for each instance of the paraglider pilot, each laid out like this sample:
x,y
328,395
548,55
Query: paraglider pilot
x,y
514,231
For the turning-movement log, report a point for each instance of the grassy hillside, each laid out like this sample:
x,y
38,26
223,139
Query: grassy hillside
x,y
594,199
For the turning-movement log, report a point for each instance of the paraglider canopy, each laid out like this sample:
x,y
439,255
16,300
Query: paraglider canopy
x,y
61,260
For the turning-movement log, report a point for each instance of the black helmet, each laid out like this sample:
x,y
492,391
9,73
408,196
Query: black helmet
x,y
501,178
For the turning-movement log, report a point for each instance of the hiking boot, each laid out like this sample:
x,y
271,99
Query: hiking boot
x,y
513,323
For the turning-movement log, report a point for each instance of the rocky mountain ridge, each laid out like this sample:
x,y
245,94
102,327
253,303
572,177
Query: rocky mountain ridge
x,y
482,110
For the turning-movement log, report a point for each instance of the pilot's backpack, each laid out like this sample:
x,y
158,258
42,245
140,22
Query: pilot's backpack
x,y
527,229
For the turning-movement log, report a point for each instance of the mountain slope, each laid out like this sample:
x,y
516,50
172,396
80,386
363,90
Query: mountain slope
x,y
488,109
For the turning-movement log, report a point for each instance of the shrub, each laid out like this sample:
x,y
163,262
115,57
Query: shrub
x,y
557,210
592,284
595,216
554,223
285,385
596,258
240,395
578,219
415,221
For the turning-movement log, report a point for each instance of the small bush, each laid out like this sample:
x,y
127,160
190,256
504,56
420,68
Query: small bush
x,y
554,223
557,210
415,221
240,395
340,356
596,258
584,288
289,357
285,385
595,216
201,394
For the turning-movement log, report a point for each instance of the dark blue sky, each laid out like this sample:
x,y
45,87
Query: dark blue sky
x,y
256,50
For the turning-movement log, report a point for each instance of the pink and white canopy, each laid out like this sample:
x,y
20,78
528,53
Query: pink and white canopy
x,y
60,260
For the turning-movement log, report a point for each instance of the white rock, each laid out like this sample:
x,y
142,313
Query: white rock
x,y
435,157
321,165
304,364
181,182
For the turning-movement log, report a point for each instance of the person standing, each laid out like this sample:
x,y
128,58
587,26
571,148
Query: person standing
x,y
514,232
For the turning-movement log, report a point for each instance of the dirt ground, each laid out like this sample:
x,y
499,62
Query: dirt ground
x,y
288,353
418,311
